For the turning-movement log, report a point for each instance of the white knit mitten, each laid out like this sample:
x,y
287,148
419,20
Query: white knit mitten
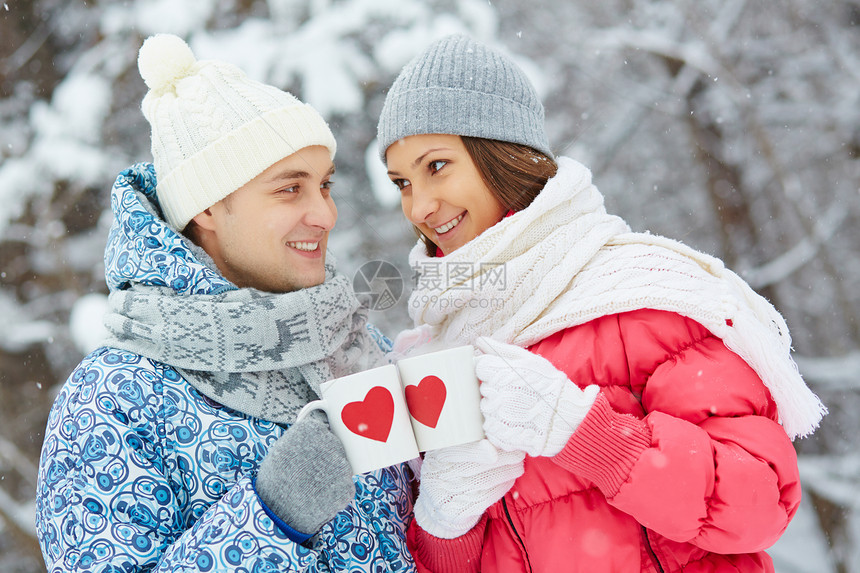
x,y
528,404
459,483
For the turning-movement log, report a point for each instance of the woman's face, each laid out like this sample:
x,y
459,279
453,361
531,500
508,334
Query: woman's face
x,y
441,191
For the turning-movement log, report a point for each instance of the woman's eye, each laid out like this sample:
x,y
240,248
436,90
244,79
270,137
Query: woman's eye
x,y
437,165
400,183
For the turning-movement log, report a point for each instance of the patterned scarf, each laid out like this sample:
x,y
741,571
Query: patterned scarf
x,y
564,261
259,353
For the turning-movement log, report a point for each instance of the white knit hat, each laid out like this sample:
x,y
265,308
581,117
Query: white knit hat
x,y
213,128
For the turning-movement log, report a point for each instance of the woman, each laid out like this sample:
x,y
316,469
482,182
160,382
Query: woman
x,y
639,398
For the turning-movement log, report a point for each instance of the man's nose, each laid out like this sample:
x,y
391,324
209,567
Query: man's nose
x,y
321,212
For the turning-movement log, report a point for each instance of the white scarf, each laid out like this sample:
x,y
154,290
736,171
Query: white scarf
x,y
564,261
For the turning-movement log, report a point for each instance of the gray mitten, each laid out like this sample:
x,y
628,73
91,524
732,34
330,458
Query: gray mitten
x,y
305,478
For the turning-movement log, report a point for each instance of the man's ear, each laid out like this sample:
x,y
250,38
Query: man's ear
x,y
205,220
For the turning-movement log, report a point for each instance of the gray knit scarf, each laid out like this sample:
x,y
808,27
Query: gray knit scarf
x,y
259,353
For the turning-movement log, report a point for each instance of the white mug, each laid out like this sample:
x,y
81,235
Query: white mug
x,y
443,398
368,413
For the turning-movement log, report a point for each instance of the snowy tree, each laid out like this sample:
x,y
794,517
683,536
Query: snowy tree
x,y
731,125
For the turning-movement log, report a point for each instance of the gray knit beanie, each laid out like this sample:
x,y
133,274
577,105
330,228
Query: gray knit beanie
x,y
459,86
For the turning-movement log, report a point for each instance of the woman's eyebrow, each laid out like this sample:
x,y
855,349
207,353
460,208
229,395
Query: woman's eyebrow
x,y
421,157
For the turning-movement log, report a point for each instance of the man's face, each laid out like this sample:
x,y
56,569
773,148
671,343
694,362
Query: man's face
x,y
271,234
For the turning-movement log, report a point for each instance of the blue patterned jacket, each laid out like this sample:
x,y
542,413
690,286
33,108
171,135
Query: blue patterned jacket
x,y
140,472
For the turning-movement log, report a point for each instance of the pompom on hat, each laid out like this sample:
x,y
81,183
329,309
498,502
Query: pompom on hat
x,y
213,128
459,86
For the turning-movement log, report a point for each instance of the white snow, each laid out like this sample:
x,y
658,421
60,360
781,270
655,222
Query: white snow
x,y
85,323
607,109
384,190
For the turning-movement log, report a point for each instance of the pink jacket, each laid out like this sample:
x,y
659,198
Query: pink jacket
x,y
679,466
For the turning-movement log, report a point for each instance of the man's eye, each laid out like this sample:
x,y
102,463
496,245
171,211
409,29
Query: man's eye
x,y
289,190
437,165
327,185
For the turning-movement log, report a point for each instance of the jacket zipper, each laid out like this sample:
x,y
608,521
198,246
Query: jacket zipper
x,y
651,550
514,529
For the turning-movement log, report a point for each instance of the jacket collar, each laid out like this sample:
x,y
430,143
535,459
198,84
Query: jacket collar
x,y
143,249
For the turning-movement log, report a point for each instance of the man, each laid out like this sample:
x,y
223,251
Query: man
x,y
171,448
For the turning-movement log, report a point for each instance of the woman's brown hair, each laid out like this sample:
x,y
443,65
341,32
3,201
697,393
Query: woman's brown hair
x,y
514,173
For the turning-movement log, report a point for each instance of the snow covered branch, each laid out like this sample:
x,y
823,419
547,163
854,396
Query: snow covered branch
x,y
21,515
836,373
783,266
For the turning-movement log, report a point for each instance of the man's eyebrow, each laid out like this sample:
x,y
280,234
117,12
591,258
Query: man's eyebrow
x,y
294,174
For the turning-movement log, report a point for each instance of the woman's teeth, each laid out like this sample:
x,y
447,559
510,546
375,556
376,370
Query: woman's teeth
x,y
448,226
304,246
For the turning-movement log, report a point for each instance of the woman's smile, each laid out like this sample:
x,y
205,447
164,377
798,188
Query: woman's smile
x,y
449,225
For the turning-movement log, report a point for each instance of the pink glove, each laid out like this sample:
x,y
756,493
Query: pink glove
x,y
528,404
409,341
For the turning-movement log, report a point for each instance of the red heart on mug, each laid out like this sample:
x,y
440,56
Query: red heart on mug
x,y
371,417
426,399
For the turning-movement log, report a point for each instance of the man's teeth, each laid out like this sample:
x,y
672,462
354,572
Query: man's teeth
x,y
448,226
304,246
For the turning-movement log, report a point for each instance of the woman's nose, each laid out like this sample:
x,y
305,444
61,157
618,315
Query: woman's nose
x,y
424,204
